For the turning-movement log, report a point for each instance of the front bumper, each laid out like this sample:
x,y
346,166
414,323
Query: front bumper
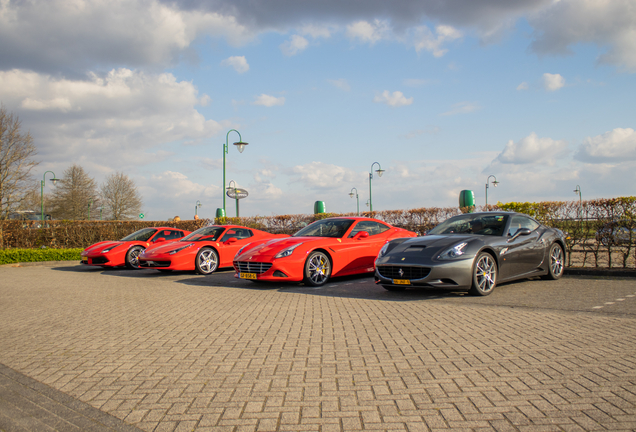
x,y
282,270
449,274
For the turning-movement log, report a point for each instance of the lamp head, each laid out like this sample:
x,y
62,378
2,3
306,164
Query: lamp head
x,y
351,194
495,183
240,146
55,180
380,172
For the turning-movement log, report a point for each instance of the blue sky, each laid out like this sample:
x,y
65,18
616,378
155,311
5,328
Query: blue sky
x,y
538,93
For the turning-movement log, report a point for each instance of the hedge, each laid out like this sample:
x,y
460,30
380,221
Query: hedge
x,y
11,256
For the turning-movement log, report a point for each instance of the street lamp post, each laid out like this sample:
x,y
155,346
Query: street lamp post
x,y
196,207
240,146
54,181
89,209
380,171
101,209
494,183
578,191
351,194
229,188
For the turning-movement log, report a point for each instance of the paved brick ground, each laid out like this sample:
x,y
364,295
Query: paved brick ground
x,y
173,353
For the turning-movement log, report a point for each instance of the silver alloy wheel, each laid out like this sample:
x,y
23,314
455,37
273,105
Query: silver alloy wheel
x,y
207,261
132,257
317,269
485,276
557,258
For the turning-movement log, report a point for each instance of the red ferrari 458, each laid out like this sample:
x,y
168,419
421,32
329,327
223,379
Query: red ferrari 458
x,y
126,251
205,250
330,247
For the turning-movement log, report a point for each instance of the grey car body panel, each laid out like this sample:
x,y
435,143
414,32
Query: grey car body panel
x,y
516,258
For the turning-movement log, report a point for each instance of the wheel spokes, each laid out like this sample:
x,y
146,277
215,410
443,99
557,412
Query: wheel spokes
x,y
486,273
207,261
557,261
318,268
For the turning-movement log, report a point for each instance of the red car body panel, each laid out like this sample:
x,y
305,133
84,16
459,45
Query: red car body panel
x,y
349,253
226,245
94,255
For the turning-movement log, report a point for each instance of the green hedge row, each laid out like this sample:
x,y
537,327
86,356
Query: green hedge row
x,y
12,256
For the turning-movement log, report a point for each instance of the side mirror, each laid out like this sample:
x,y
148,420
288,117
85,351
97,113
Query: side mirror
x,y
361,235
231,240
520,232
160,239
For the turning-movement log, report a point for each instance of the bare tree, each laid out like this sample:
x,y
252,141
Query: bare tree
x,y
16,163
120,197
75,196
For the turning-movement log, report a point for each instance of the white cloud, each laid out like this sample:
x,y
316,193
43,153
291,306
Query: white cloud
x,y
239,63
553,82
462,108
268,101
395,99
616,145
532,149
523,86
319,175
611,25
294,46
369,32
341,83
317,31
424,39
105,115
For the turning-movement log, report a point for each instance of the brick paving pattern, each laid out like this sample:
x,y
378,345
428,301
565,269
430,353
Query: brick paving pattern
x,y
173,354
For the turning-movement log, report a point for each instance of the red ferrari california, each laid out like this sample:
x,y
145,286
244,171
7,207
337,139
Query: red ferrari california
x,y
126,251
330,247
205,250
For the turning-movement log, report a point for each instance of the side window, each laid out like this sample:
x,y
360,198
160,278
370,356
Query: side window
x,y
521,222
168,235
371,227
237,233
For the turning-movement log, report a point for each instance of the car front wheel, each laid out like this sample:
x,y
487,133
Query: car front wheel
x,y
132,257
207,261
317,269
484,275
557,258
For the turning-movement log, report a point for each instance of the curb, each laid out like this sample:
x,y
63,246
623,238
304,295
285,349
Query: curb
x,y
598,271
41,263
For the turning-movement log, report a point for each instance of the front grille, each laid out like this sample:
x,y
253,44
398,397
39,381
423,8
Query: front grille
x,y
252,267
403,272
99,260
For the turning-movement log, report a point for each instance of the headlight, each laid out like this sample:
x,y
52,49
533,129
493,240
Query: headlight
x,y
111,248
172,252
383,250
287,252
454,252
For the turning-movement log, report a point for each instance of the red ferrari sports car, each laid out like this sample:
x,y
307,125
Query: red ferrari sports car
x,y
126,251
205,250
330,247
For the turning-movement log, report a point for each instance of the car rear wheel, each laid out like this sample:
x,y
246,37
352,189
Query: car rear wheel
x,y
555,271
484,275
207,261
132,257
317,269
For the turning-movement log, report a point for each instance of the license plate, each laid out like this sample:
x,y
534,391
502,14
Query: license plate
x,y
247,276
84,260
401,282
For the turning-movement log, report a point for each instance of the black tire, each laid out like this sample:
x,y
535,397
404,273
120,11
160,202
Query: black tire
x,y
484,275
207,261
317,269
394,288
556,263
132,257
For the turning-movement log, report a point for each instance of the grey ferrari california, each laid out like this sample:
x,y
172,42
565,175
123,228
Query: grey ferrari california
x,y
474,252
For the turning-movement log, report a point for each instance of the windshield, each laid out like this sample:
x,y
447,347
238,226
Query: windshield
x,y
205,234
334,228
141,235
483,224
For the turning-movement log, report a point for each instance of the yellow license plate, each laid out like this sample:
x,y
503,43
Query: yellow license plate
x,y
401,282
247,276
84,260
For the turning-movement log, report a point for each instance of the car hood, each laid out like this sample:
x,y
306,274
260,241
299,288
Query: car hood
x,y
427,247
97,247
268,250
